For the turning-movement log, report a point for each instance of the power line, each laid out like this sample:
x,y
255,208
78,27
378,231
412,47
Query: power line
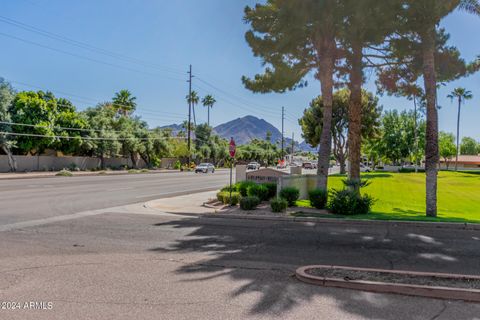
x,y
62,128
75,96
84,57
84,45
268,109
240,106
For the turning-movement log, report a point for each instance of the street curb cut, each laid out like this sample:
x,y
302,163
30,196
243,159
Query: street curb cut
x,y
443,225
446,293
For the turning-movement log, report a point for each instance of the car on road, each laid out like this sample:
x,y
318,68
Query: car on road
x,y
365,168
205,168
253,166
309,165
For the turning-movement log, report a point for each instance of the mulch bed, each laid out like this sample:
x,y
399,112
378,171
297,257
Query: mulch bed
x,y
410,279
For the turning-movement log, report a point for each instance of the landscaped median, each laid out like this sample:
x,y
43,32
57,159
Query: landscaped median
x,y
432,285
384,196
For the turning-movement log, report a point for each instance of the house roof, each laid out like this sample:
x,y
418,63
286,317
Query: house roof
x,y
466,160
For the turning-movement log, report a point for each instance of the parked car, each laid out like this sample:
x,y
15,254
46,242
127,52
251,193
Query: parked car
x,y
253,166
309,165
205,168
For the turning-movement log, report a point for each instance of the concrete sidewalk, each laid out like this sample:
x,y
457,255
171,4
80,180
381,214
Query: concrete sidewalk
x,y
188,204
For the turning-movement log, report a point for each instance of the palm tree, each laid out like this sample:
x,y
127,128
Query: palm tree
x,y
208,102
414,93
461,94
193,100
124,103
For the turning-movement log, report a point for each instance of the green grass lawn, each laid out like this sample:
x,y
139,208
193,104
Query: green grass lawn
x,y
401,196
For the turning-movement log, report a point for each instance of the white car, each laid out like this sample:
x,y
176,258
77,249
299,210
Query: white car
x,y
364,168
205,168
253,166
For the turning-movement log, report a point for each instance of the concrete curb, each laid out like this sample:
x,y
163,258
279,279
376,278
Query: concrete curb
x,y
444,225
446,293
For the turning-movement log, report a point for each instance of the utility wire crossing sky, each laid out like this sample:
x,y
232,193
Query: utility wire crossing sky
x,y
96,48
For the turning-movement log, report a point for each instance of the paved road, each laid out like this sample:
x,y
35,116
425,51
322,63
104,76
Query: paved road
x,y
136,263
27,199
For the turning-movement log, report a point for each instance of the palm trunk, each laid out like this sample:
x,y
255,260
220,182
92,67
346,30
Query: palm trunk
x,y
355,114
431,150
194,118
327,64
208,111
458,132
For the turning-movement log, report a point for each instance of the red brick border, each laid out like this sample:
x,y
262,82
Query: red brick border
x,y
472,295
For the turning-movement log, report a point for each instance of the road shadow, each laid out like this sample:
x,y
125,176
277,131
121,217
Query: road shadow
x,y
261,257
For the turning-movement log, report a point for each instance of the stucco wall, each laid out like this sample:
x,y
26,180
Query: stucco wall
x,y
47,163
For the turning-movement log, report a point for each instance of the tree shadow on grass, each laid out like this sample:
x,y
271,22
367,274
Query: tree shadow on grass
x,y
376,175
260,257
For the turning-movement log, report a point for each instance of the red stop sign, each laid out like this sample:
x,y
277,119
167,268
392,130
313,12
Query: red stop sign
x,y
232,148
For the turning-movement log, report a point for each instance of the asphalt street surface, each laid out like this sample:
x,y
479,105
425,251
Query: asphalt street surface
x,y
119,260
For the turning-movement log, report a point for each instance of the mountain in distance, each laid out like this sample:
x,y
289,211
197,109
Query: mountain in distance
x,y
245,129
304,146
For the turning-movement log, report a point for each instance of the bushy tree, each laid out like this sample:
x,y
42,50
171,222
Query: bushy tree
x,y
7,95
101,122
420,20
312,119
68,117
397,139
447,147
294,38
469,147
38,109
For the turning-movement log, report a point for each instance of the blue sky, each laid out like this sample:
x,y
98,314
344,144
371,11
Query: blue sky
x,y
165,37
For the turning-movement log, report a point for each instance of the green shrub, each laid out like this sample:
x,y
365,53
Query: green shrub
x,y
145,171
64,173
227,189
272,190
134,171
318,198
348,202
224,197
291,194
243,186
220,196
249,203
177,165
278,205
258,190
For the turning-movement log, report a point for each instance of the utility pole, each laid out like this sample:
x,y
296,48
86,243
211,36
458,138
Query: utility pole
x,y
293,146
283,132
190,76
